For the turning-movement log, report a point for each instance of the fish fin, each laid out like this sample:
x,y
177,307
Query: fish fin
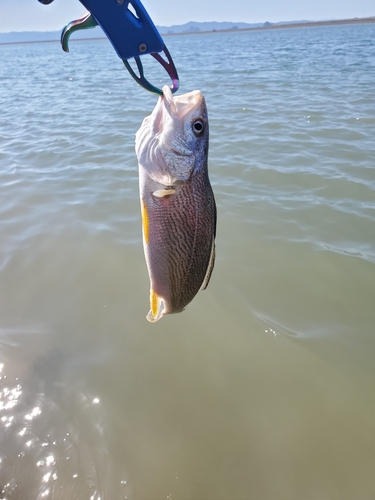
x,y
144,213
160,193
157,307
209,268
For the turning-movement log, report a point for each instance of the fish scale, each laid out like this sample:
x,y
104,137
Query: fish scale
x,y
178,253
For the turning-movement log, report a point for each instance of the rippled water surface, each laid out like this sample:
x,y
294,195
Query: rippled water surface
x,y
264,387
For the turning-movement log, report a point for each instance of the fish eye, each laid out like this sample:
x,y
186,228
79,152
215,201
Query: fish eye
x,y
198,127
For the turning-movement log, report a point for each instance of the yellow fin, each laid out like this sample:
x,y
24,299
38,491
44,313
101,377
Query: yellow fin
x,y
144,212
157,307
160,193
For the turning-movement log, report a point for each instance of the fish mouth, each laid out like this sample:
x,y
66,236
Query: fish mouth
x,y
180,105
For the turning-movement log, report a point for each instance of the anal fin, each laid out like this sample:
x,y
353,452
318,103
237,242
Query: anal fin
x,y
157,307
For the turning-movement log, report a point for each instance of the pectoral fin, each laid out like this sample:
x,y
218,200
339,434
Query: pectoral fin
x,y
160,193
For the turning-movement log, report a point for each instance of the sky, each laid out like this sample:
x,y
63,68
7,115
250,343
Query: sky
x,y
30,15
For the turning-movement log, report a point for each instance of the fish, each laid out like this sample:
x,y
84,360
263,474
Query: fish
x,y
178,206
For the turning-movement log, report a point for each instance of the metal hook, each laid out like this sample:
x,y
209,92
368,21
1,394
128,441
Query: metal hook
x,y
84,22
167,65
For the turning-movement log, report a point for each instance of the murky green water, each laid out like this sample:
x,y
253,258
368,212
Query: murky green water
x,y
264,387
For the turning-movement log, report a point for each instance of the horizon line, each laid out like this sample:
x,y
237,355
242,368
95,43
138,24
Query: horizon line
x,y
266,26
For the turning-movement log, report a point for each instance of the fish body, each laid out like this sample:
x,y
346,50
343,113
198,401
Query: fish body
x,y
177,202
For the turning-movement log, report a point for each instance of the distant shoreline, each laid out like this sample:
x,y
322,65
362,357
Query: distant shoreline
x,y
266,26
309,24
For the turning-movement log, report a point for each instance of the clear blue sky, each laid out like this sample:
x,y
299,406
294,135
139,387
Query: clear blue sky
x,y
30,15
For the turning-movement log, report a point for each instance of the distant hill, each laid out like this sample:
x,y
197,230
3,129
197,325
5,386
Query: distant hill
x,y
190,27
193,26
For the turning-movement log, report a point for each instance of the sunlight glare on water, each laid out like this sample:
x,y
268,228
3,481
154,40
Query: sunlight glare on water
x,y
264,387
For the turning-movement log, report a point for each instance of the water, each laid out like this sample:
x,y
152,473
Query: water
x,y
264,387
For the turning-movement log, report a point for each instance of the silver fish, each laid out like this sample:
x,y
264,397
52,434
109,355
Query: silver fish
x,y
177,202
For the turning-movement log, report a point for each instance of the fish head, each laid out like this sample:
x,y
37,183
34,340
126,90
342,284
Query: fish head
x,y
172,142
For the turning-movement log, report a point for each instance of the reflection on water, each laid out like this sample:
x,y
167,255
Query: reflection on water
x,y
52,443
264,387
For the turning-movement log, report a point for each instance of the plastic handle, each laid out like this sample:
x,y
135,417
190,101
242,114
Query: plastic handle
x,y
131,31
